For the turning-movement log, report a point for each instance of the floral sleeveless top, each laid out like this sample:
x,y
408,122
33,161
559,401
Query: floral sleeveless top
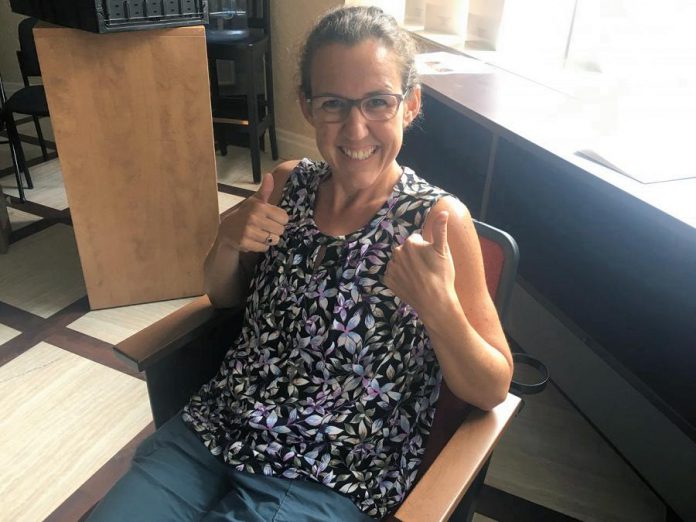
x,y
332,378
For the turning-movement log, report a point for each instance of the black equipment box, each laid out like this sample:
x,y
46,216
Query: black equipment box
x,y
108,16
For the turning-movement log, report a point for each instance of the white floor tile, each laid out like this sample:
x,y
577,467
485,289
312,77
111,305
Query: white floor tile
x,y
113,325
48,185
7,333
227,201
235,168
62,417
20,219
41,274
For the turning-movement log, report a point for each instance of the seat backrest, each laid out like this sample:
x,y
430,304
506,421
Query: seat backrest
x,y
26,56
259,15
500,260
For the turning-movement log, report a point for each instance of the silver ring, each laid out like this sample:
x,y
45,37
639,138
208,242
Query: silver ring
x,y
269,239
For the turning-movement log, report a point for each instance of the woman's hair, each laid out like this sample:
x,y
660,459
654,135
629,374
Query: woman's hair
x,y
354,25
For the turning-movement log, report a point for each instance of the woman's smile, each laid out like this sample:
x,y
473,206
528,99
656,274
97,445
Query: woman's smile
x,y
360,154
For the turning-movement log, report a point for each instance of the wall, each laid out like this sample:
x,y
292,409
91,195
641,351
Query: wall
x,y
8,46
291,21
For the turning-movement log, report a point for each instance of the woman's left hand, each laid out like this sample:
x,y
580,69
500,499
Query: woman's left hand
x,y
421,272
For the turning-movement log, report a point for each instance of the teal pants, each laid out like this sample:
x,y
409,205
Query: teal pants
x,y
173,477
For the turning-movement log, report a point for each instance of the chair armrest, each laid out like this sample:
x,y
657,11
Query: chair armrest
x,y
438,492
162,338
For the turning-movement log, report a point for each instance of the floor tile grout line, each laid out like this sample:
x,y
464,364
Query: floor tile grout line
x,y
39,329
90,348
19,319
54,330
38,209
35,228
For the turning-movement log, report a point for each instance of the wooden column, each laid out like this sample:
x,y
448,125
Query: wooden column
x,y
133,126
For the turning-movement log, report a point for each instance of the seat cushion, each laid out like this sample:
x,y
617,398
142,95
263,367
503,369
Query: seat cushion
x,y
28,100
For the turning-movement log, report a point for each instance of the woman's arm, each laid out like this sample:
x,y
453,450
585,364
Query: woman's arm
x,y
440,274
242,237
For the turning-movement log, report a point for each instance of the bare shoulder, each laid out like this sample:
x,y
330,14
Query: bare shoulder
x,y
282,171
454,207
459,218
280,174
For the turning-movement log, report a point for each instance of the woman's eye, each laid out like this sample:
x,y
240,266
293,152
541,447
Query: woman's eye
x,y
378,102
333,104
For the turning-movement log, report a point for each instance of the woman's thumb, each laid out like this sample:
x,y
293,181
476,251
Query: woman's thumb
x,y
266,188
440,233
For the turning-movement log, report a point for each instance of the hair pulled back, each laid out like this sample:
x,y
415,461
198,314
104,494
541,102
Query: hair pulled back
x,y
352,26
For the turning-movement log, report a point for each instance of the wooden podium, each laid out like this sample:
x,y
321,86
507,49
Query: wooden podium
x,y
132,122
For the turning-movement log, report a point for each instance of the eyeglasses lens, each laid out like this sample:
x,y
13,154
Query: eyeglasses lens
x,y
379,107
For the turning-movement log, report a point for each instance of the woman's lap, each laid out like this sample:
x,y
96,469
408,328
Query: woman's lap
x,y
174,477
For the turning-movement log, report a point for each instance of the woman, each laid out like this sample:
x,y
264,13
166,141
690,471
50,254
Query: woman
x,y
365,288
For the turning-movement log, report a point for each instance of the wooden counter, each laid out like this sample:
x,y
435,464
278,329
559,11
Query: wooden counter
x,y
133,127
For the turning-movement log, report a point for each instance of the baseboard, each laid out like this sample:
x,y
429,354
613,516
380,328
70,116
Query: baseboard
x,y
295,146
658,450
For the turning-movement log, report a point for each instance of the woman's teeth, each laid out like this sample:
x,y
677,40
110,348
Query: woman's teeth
x,y
359,154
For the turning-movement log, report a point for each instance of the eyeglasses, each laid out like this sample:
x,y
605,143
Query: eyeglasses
x,y
335,109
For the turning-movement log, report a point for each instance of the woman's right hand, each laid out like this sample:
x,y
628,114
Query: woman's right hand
x,y
255,225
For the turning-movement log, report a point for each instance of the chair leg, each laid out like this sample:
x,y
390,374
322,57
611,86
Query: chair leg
x,y
218,131
15,166
13,136
253,108
270,104
39,134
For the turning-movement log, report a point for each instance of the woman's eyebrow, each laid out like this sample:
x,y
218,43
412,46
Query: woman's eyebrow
x,y
371,93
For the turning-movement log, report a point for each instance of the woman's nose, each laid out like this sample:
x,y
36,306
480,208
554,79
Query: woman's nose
x,y
355,124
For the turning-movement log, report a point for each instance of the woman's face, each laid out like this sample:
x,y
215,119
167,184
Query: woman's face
x,y
359,151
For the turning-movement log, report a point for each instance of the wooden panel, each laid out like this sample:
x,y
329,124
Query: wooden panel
x,y
133,126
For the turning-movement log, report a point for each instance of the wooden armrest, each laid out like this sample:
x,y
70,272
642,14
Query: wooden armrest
x,y
167,335
439,491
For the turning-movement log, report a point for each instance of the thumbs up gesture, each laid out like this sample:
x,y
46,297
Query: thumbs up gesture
x,y
255,225
421,270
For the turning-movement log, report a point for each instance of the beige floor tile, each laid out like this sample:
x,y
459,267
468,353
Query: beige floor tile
x,y
480,518
552,456
226,201
20,219
7,333
41,273
113,325
48,186
61,418
235,168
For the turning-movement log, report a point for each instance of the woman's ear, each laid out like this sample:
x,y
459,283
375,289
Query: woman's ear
x,y
305,107
412,105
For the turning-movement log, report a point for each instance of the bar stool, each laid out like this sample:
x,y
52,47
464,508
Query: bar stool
x,y
247,112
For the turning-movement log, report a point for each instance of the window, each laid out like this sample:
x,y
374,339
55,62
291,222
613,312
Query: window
x,y
630,61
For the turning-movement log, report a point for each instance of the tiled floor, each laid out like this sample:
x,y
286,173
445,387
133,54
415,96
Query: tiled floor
x,y
65,410
62,417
